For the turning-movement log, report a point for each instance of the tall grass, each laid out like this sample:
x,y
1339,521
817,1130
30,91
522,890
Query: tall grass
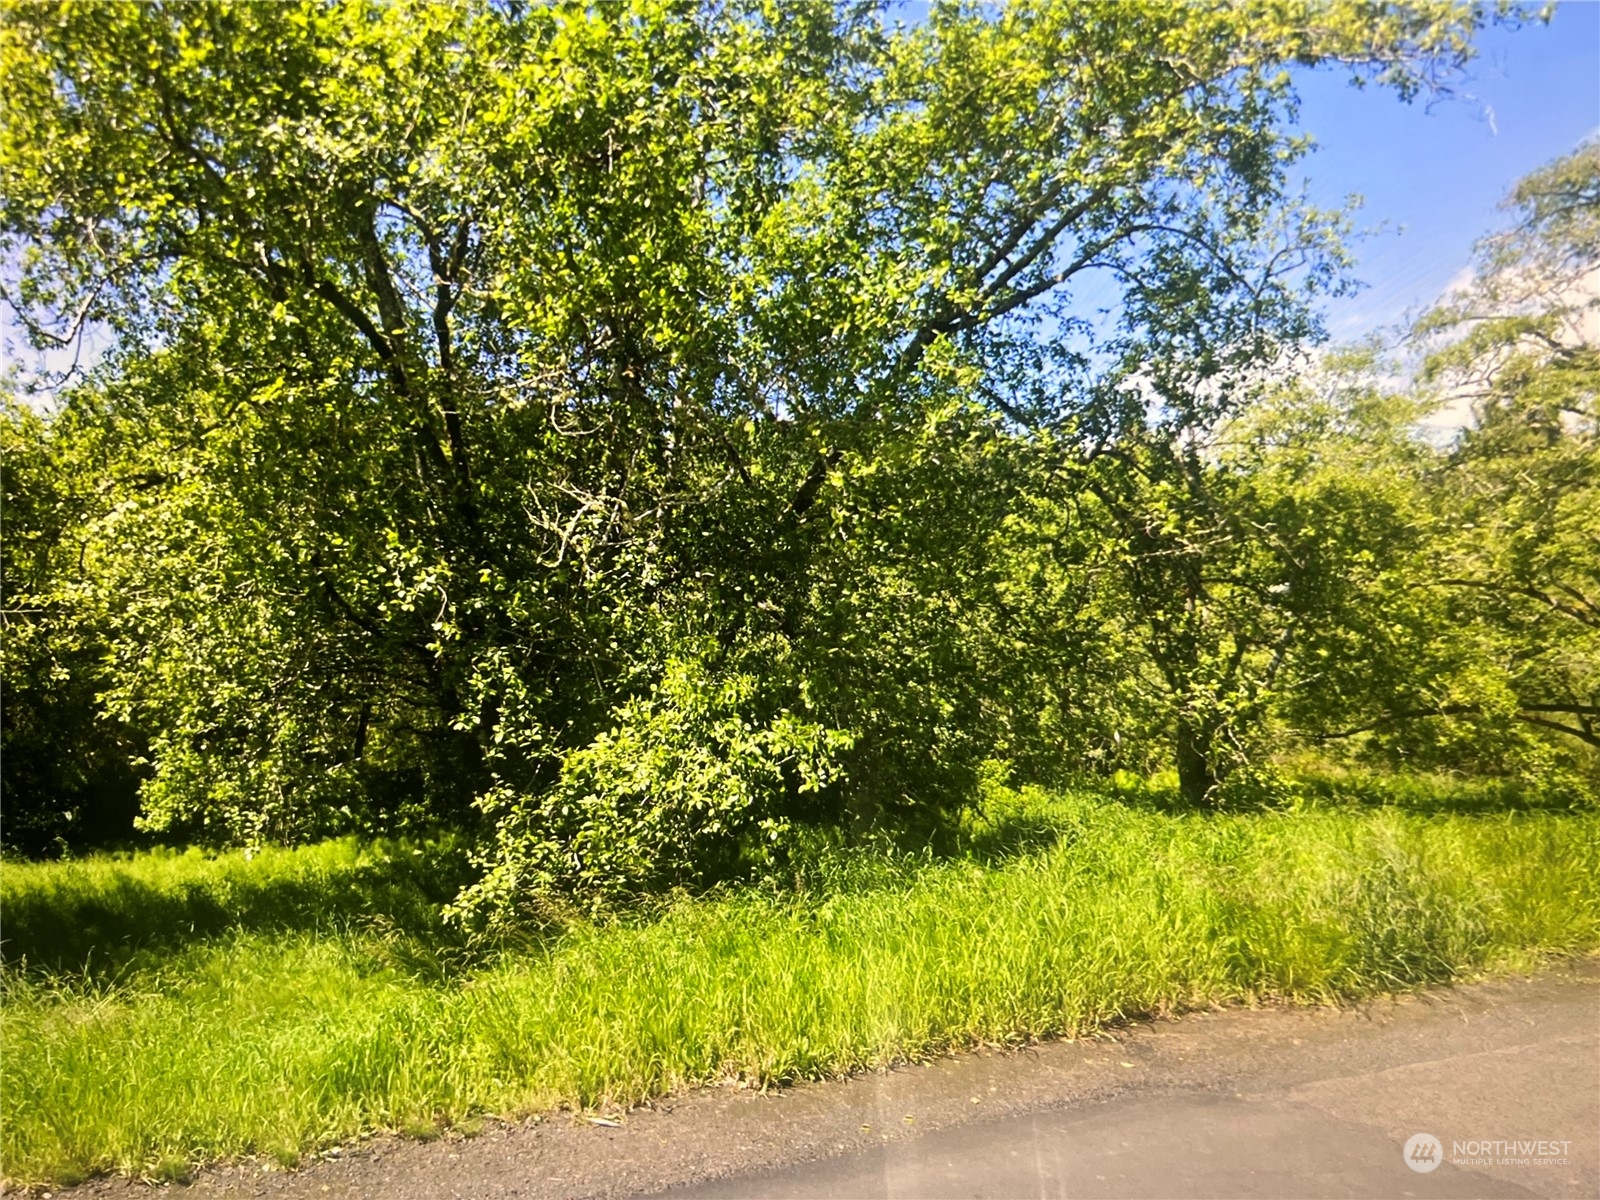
x,y
276,1041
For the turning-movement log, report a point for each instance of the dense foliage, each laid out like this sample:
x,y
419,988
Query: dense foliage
x,y
649,436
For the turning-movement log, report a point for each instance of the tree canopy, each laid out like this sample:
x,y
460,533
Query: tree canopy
x,y
640,432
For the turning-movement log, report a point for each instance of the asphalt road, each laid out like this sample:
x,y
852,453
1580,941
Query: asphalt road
x,y
1337,1134
1235,1103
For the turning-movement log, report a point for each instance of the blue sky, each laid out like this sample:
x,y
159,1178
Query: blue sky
x,y
1435,176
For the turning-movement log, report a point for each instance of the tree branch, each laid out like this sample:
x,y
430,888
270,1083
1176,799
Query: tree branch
x,y
1591,619
1582,735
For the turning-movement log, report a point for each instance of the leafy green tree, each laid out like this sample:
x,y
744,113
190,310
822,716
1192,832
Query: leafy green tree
x,y
481,373
1522,496
1215,566
67,774
1341,481
1472,646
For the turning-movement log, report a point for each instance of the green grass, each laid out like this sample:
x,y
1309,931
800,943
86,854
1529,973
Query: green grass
x,y
108,913
292,1027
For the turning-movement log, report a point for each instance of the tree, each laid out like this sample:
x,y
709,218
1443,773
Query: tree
x,y
67,774
1478,650
1524,489
478,367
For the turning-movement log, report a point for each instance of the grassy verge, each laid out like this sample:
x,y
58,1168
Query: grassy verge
x,y
285,1030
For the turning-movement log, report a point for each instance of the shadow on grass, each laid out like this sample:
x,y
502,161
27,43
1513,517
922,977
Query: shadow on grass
x,y
97,915
1443,794
1277,791
1010,824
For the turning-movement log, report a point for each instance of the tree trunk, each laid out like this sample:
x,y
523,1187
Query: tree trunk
x,y
1196,776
